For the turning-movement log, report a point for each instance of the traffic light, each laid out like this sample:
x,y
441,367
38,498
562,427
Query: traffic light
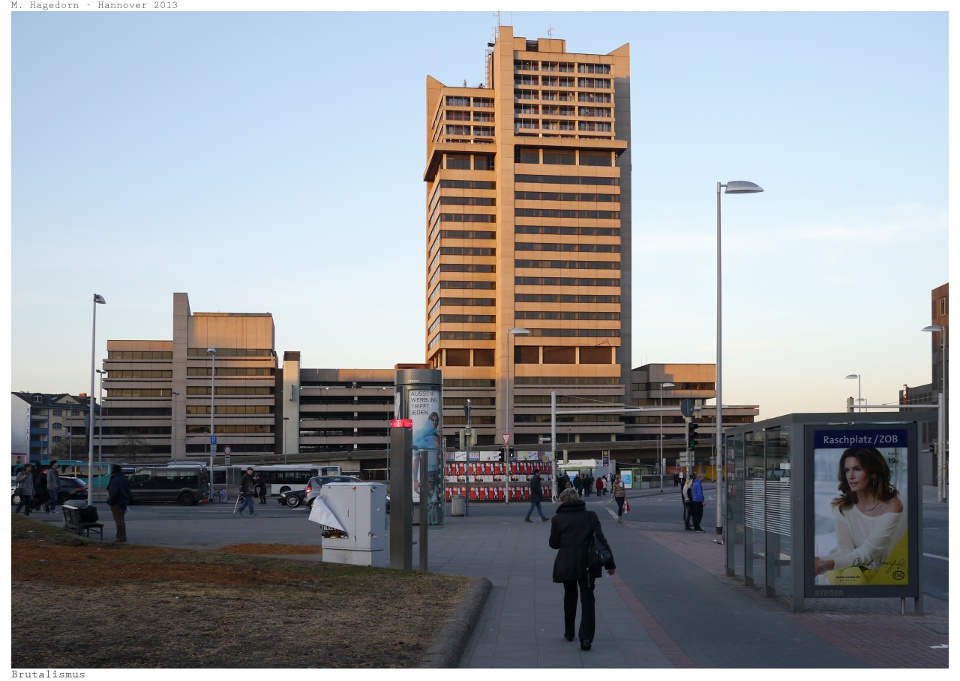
x,y
692,434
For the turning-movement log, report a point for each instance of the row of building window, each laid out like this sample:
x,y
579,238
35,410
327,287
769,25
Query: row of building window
x,y
231,352
467,201
534,354
564,281
482,269
566,179
561,157
477,131
567,231
138,354
462,251
231,371
227,390
139,373
557,298
568,248
559,67
557,110
567,214
478,102
222,429
562,81
567,264
478,116
262,409
461,302
566,196
520,95
468,162
582,126
573,316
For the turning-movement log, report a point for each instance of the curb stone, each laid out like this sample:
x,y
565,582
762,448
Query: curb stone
x,y
446,650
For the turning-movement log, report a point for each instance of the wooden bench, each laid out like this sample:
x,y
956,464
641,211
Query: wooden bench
x,y
73,523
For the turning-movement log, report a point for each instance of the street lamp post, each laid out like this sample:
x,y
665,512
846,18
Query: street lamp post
x,y
173,440
859,400
735,187
941,413
517,331
660,442
100,431
97,300
213,447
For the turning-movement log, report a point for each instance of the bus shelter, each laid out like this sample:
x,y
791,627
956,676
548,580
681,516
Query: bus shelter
x,y
795,527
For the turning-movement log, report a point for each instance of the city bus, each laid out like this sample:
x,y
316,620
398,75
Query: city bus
x,y
279,478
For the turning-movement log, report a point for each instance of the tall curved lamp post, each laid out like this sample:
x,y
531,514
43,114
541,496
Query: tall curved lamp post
x,y
859,401
734,187
213,443
100,429
941,414
660,442
97,300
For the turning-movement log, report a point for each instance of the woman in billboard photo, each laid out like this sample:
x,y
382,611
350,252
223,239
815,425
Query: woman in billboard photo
x,y
870,522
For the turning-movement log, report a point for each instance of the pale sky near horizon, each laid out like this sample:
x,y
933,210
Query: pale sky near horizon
x,y
273,162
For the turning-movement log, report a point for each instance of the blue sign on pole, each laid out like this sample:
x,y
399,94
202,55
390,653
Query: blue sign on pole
x,y
213,439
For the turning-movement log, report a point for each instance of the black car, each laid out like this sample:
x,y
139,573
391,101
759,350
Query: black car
x,y
292,497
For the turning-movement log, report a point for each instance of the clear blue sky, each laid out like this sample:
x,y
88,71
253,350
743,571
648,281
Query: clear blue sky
x,y
273,162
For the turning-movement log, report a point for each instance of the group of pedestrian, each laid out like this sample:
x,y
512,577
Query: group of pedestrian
x,y
38,489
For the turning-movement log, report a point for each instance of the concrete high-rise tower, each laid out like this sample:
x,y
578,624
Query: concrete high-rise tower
x,y
528,229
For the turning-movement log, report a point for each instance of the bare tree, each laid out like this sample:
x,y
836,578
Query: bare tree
x,y
132,446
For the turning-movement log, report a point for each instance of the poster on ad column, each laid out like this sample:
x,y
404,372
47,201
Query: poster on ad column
x,y
861,516
424,409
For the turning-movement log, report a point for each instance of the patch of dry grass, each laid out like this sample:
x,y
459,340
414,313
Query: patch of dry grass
x,y
154,607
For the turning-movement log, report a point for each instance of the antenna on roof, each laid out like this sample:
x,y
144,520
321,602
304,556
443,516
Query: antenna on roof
x,y
550,30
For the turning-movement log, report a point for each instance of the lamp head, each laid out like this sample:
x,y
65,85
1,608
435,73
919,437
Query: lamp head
x,y
97,298
212,351
932,329
520,331
852,376
741,187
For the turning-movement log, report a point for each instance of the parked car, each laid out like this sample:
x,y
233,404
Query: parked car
x,y
292,497
70,488
182,485
313,487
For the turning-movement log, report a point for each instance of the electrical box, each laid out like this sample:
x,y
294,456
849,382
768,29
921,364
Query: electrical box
x,y
361,508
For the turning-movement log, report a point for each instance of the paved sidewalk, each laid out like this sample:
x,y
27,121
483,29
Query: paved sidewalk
x,y
669,605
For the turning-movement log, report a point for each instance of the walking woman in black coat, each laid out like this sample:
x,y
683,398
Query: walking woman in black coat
x,y
571,532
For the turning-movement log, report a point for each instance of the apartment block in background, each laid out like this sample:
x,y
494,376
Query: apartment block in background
x,y
157,402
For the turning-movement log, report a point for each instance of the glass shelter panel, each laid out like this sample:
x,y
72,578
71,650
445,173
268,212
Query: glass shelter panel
x,y
735,506
753,512
777,511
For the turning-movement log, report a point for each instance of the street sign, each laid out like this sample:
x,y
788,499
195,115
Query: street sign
x,y
506,438
401,423
227,450
686,407
213,439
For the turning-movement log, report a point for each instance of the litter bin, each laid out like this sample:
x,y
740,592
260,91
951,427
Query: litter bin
x,y
458,505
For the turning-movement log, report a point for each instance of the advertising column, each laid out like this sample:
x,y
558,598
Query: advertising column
x,y
862,511
419,397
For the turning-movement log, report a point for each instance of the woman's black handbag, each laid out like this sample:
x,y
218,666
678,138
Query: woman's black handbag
x,y
599,556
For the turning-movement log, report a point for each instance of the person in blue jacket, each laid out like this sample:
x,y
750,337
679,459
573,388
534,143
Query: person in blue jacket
x,y
696,505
